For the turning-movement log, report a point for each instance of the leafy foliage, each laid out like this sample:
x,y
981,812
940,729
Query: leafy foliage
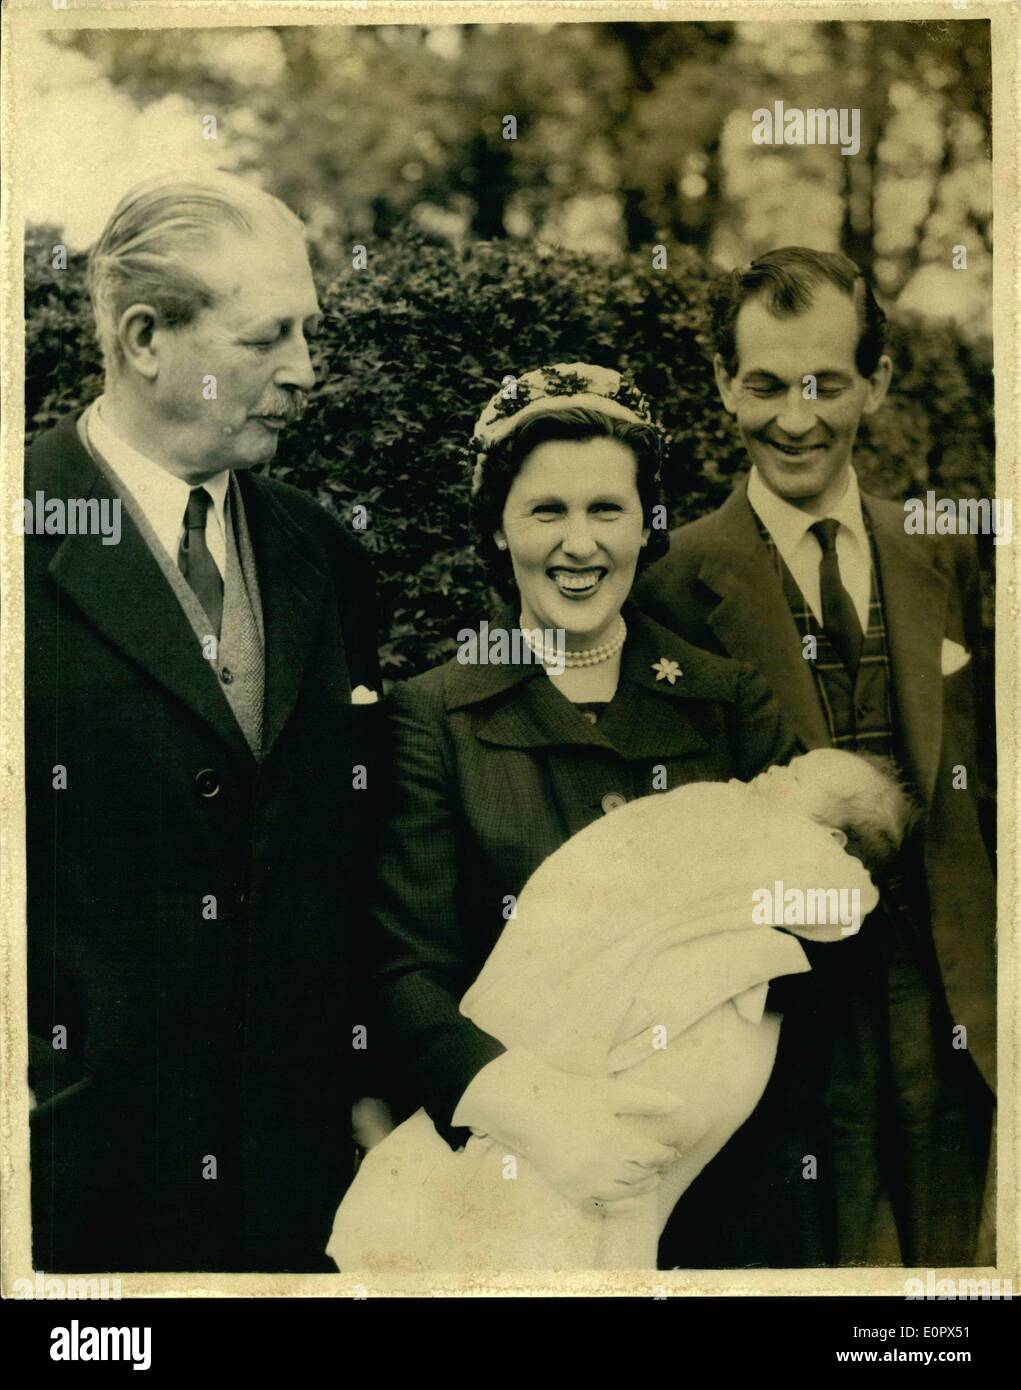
x,y
413,346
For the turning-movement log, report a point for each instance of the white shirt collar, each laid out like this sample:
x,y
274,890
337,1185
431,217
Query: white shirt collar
x,y
162,497
788,524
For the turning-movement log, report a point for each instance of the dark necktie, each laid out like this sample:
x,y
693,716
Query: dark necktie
x,y
195,562
839,616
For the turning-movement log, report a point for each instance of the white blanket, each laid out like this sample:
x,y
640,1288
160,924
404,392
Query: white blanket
x,y
636,951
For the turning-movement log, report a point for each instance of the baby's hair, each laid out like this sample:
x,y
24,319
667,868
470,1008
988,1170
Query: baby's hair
x,y
877,826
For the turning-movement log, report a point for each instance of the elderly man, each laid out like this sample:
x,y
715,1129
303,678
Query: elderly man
x,y
870,1145
198,769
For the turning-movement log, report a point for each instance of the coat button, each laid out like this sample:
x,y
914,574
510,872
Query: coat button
x,y
226,675
207,782
612,800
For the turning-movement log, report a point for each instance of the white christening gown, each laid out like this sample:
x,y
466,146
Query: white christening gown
x,y
641,951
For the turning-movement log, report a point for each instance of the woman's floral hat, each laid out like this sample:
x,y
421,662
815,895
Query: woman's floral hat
x,y
547,390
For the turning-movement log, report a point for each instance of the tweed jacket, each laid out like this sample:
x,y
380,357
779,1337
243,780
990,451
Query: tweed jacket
x,y
494,770
718,587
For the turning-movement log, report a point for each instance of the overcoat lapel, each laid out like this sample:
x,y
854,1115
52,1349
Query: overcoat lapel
x,y
123,593
652,716
293,588
753,621
536,716
914,597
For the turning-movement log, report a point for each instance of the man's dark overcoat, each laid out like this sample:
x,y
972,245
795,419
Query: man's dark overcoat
x,y
193,913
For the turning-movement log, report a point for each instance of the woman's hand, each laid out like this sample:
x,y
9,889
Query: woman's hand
x,y
568,1127
577,1142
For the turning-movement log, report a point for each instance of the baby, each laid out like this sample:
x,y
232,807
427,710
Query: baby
x,y
642,950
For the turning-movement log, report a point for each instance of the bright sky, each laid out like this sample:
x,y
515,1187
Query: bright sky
x,y
88,142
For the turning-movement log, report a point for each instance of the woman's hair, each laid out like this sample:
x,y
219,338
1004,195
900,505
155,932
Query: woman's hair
x,y
877,820
505,459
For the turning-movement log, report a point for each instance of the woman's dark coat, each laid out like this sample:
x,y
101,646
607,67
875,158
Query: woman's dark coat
x,y
494,771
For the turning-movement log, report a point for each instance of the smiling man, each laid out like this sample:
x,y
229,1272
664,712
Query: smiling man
x,y
871,1143
194,830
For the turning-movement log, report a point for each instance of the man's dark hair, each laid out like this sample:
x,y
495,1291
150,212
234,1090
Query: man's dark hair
x,y
504,461
785,280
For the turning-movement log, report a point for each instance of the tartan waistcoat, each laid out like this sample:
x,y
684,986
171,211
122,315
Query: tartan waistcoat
x,y
859,716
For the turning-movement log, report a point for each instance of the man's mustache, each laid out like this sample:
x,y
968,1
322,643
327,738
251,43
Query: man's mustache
x,y
290,408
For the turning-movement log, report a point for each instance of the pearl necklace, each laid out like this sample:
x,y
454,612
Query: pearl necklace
x,y
593,656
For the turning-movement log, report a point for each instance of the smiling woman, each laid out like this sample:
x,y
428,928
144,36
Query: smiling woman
x,y
564,499
497,764
573,526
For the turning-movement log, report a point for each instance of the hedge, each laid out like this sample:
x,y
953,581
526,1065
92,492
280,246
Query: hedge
x,y
414,344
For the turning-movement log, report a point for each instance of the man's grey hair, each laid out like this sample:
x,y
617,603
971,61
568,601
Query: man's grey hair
x,y
146,251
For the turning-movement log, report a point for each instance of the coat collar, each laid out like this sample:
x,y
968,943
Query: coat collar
x,y
123,592
915,596
519,706
293,584
160,495
753,621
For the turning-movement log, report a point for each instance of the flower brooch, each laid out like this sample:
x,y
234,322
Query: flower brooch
x,y
667,670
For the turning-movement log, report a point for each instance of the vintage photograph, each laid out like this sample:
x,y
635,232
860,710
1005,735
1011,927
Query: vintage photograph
x,y
506,567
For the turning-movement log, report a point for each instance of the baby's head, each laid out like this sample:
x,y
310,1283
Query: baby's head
x,y
859,794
